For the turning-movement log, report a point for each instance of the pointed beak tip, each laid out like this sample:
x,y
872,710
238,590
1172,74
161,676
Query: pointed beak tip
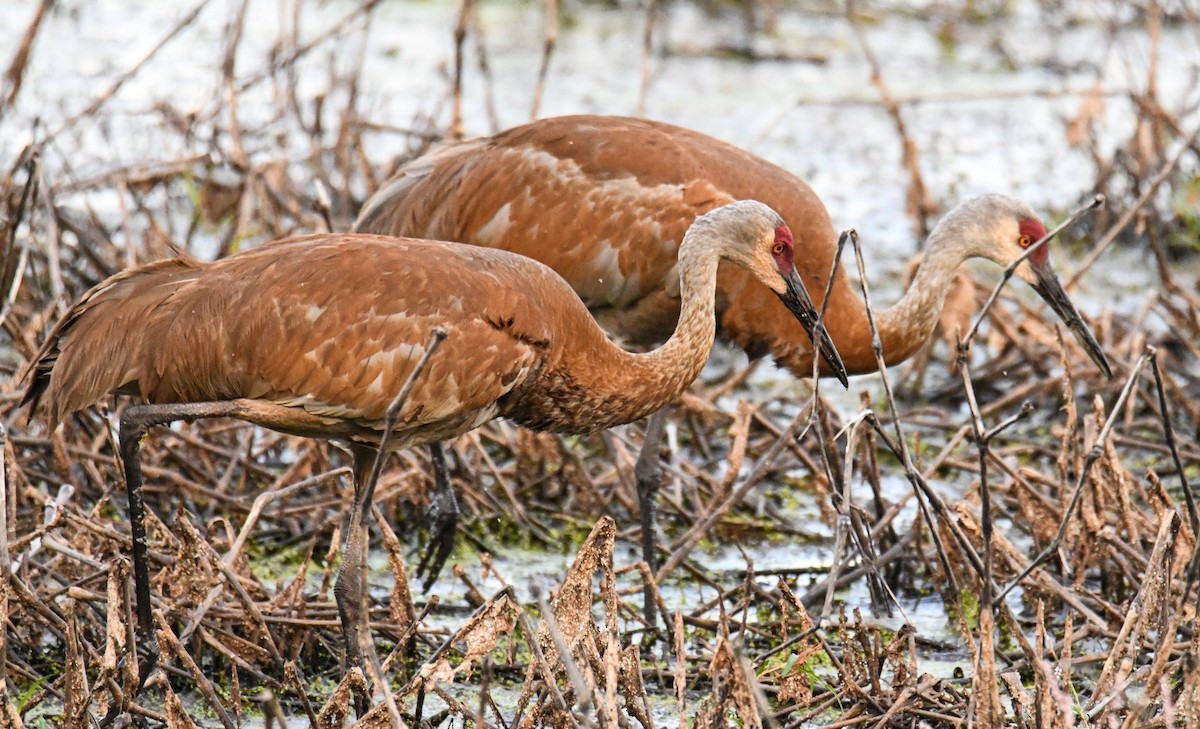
x,y
801,305
1051,291
829,353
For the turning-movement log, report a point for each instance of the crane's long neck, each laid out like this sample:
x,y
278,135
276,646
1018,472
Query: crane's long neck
x,y
674,365
597,384
907,325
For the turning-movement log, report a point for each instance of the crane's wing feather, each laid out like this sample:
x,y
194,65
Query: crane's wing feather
x,y
605,201
331,324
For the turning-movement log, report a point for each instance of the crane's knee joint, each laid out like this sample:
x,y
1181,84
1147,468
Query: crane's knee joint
x,y
132,427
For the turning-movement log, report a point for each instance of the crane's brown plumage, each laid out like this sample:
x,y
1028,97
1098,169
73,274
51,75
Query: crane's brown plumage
x,y
316,336
305,324
605,200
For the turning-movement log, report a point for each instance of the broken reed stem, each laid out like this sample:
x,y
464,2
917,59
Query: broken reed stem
x,y
650,587
171,644
1093,455
1156,581
679,675
1127,217
294,677
1192,570
5,561
457,131
1169,435
112,90
647,54
986,691
15,75
550,28
918,200
377,674
539,658
583,693
816,360
436,337
900,447
841,501
984,687
1096,202
701,528
833,269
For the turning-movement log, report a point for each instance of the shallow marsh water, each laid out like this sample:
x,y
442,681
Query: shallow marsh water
x,y
979,124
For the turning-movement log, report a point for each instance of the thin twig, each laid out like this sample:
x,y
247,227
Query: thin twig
x,y
901,445
15,74
1127,217
1093,455
111,91
550,39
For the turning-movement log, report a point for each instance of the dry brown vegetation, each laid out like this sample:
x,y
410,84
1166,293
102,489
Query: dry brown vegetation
x,y
1076,492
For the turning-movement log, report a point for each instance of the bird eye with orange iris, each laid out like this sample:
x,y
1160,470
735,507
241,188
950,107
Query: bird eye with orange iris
x,y
1024,241
778,249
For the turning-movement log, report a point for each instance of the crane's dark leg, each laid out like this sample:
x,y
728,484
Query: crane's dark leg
x,y
348,588
135,421
133,426
443,512
648,474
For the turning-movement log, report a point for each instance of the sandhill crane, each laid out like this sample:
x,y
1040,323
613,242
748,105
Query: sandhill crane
x,y
604,201
301,336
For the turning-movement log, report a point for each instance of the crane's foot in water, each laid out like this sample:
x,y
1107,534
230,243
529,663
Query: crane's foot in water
x,y
362,700
147,662
443,515
443,520
147,657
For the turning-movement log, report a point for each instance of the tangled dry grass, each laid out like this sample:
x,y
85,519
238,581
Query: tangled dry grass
x,y
1066,559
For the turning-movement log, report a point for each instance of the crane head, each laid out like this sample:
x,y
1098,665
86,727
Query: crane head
x,y
1009,237
761,242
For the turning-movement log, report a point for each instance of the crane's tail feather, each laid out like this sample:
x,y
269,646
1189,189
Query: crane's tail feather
x,y
96,348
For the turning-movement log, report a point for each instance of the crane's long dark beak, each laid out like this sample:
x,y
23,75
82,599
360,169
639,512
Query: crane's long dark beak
x,y
1053,294
798,302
